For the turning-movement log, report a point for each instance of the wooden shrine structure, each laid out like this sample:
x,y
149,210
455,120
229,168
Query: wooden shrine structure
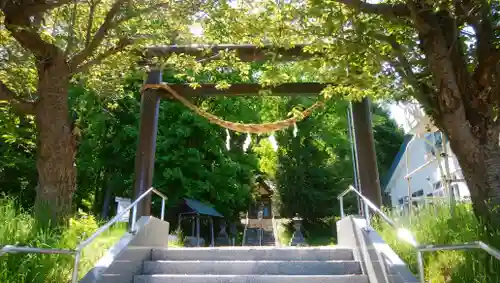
x,y
151,97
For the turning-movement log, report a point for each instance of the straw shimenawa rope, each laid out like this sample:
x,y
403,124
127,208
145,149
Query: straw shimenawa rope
x,y
237,127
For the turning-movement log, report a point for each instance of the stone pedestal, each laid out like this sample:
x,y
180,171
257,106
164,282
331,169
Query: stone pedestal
x,y
222,238
297,238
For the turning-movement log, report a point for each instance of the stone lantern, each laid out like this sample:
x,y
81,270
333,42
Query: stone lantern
x,y
297,238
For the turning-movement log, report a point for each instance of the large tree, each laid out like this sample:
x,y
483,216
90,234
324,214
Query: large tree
x,y
444,54
48,44
447,54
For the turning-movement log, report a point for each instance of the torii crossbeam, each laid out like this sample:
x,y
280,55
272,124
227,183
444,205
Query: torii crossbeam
x,y
150,102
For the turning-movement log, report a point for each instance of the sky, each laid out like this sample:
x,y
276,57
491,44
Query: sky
x,y
397,113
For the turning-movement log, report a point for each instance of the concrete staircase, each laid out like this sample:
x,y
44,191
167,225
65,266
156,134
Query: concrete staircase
x,y
252,237
252,265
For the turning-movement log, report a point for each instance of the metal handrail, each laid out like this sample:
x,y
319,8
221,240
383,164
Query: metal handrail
x,y
407,236
78,250
465,246
15,249
367,203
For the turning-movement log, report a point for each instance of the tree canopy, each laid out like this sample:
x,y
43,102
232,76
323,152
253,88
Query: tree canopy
x,y
191,155
444,54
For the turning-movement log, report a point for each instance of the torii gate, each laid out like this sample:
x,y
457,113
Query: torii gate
x,y
150,102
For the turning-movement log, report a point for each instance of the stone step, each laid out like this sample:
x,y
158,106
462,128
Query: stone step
x,y
250,279
253,267
256,244
253,253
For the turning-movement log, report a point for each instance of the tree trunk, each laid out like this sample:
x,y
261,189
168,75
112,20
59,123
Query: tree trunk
x,y
108,190
480,163
56,143
465,108
99,191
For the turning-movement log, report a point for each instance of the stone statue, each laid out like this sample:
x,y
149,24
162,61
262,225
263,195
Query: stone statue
x,y
223,238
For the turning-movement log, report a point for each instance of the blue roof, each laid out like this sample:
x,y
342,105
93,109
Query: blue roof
x,y
202,208
395,163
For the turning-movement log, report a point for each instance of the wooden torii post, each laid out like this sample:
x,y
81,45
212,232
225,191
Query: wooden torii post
x,y
150,103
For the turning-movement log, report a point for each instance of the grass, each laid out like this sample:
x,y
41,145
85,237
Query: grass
x,y
20,228
435,225
179,243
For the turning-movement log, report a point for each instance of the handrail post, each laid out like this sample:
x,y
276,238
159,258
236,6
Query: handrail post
x,y
341,200
420,262
134,216
163,209
367,214
76,264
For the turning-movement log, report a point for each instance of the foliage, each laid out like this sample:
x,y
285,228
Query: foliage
x,y
388,139
284,234
441,53
49,44
20,227
17,162
435,225
179,240
93,38
191,159
97,38
320,233
192,162
317,165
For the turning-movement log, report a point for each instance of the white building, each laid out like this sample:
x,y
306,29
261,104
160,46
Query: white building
x,y
421,159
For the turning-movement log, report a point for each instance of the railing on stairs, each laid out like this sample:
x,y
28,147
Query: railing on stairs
x,y
261,231
78,250
408,237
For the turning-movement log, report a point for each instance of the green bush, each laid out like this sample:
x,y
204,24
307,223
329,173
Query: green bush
x,y
321,232
436,225
180,239
284,233
20,228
